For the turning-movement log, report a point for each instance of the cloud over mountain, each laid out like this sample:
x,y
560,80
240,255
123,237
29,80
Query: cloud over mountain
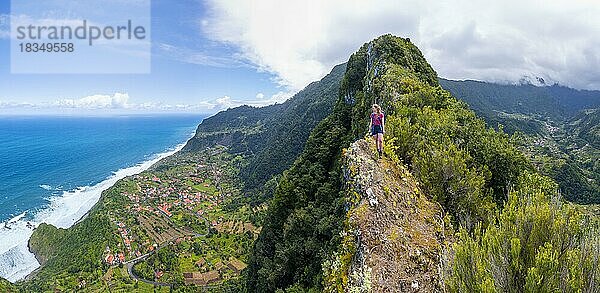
x,y
299,41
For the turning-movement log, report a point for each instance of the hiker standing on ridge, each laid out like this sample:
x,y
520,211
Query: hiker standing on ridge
x,y
377,127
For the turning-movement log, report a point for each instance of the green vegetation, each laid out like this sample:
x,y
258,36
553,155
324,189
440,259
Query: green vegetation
x,y
269,139
459,162
489,99
536,244
6,286
462,164
72,256
557,128
186,208
586,126
305,216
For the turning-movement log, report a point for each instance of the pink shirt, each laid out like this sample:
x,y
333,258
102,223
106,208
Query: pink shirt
x,y
376,119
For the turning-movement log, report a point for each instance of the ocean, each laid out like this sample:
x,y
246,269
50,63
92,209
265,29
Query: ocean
x,y
53,170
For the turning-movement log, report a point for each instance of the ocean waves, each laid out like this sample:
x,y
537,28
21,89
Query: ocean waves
x,y
63,211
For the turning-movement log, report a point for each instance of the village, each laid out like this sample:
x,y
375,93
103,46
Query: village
x,y
179,208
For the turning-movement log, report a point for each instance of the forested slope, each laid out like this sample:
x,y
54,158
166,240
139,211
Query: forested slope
x,y
557,128
269,137
456,159
490,99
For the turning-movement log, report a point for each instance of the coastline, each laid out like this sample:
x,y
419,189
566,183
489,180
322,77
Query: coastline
x,y
160,157
113,179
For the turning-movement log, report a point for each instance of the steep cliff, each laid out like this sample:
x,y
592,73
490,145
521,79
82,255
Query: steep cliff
x,y
458,162
270,138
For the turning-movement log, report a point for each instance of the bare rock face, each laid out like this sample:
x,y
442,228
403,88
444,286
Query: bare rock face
x,y
394,235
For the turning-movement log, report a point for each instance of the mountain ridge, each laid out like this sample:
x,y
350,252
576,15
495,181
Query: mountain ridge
x,y
393,72
343,220
473,172
391,229
271,133
554,101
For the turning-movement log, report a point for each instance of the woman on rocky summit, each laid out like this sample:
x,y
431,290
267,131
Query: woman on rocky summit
x,y
377,127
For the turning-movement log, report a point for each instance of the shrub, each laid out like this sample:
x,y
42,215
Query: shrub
x,y
537,243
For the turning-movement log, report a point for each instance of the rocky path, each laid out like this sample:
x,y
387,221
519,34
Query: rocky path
x,y
399,232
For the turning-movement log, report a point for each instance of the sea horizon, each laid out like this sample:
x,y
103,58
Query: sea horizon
x,y
60,191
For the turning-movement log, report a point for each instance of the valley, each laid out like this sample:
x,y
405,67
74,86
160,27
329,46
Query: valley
x,y
557,127
292,198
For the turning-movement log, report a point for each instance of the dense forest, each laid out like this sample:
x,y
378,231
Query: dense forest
x,y
557,128
271,137
473,171
555,101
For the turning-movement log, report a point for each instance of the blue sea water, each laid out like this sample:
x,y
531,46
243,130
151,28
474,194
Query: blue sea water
x,y
53,169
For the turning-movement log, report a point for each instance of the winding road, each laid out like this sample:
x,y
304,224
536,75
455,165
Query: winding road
x,y
130,263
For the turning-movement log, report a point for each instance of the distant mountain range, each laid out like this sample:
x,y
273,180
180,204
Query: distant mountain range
x,y
560,128
555,101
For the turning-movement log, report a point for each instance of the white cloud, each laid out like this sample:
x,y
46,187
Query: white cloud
x,y
8,105
120,103
116,101
277,98
300,40
226,102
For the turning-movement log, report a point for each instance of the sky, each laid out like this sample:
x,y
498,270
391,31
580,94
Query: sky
x,y
210,55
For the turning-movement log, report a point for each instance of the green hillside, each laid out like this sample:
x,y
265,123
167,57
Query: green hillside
x,y
271,137
490,100
557,128
586,127
460,163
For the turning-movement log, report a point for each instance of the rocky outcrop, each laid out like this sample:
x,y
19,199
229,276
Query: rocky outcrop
x,y
394,235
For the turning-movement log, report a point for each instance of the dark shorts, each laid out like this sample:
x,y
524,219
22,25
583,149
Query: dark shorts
x,y
375,129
